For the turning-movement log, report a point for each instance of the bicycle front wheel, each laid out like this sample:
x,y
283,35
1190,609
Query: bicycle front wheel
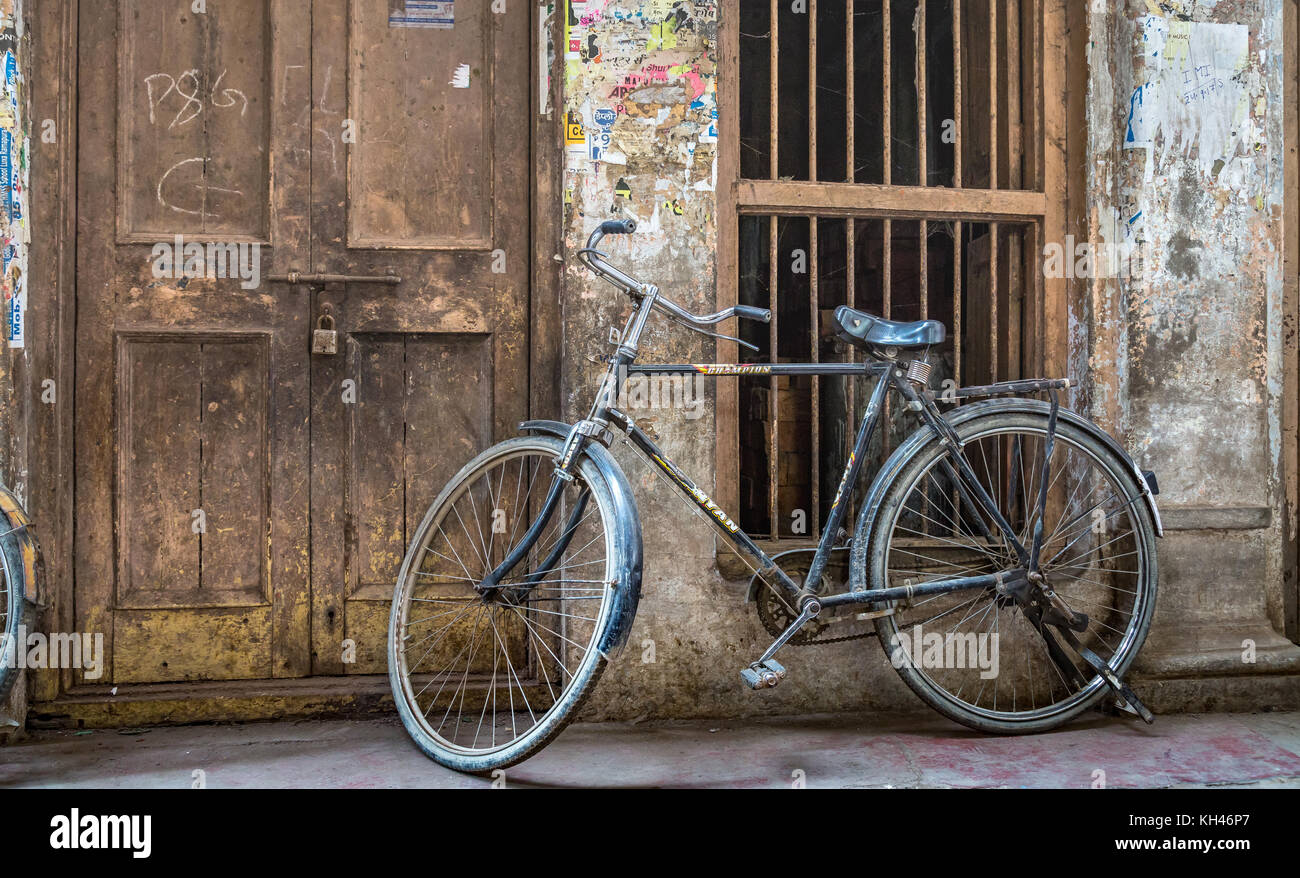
x,y
482,681
976,656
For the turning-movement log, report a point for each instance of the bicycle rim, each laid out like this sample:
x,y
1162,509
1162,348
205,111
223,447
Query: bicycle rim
x,y
1098,556
483,678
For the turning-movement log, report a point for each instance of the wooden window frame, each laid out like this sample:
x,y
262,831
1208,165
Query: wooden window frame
x,y
1055,131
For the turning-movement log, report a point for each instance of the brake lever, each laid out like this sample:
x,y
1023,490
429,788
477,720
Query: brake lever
x,y
694,328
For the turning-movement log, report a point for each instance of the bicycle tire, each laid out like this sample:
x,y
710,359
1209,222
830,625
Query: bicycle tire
x,y
1005,418
17,612
592,664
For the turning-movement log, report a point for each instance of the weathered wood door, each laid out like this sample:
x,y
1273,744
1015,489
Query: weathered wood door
x,y
242,505
435,190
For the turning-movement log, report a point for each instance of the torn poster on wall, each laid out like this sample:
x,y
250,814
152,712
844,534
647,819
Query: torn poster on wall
x,y
422,13
1197,97
600,134
14,147
640,109
544,59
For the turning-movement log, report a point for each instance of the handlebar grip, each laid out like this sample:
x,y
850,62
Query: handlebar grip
x,y
618,227
762,315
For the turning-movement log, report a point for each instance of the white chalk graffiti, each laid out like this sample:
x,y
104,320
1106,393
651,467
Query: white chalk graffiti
x,y
187,87
204,187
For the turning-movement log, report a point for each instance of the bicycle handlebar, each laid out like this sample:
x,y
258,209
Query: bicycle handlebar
x,y
618,227
594,259
671,308
762,315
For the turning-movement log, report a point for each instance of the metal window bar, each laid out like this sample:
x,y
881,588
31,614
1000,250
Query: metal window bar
x,y
814,300
774,409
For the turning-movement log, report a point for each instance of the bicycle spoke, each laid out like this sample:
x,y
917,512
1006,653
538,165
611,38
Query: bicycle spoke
x,y
483,670
981,653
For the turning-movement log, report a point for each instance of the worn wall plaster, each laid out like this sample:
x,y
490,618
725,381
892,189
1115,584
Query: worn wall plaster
x,y
1185,158
640,113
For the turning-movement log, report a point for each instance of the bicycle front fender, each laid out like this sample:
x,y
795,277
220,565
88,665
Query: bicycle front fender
x,y
627,518
912,444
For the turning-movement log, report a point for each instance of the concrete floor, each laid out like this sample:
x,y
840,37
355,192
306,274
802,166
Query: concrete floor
x,y
920,750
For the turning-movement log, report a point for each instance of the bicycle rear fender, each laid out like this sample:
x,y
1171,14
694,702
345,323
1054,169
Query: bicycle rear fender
x,y
904,452
627,591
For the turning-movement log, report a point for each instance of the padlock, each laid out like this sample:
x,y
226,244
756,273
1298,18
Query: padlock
x,y
325,338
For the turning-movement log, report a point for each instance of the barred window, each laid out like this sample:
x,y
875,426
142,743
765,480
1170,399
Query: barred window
x,y
889,156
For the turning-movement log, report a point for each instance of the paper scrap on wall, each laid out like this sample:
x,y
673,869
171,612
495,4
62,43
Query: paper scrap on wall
x,y
422,13
14,148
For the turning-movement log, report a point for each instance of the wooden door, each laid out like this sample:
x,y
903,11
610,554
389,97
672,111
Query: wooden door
x,y
191,433
239,512
433,188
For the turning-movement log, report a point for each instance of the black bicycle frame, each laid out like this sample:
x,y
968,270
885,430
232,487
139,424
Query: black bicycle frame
x,y
883,372
888,373
888,376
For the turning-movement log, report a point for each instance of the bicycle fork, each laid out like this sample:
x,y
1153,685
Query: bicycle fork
x,y
596,424
491,586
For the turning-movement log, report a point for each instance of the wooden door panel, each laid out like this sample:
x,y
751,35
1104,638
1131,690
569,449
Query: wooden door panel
x,y
192,450
159,432
193,131
170,647
420,173
419,418
193,420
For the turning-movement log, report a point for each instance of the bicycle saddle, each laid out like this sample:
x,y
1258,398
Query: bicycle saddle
x,y
867,330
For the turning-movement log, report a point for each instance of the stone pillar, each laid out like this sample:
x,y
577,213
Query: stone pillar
x,y
1183,337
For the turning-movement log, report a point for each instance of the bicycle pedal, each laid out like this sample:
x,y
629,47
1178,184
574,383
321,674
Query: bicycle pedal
x,y
763,675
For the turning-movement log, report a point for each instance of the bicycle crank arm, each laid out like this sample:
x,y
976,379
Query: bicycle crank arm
x,y
767,673
810,609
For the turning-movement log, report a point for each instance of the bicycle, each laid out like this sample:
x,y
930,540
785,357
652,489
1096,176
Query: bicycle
x,y
1007,516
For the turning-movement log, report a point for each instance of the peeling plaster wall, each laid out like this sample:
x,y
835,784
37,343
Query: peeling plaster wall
x,y
15,147
1185,164
639,111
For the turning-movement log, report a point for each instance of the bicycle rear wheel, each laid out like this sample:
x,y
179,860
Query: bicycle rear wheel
x,y
976,656
484,681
